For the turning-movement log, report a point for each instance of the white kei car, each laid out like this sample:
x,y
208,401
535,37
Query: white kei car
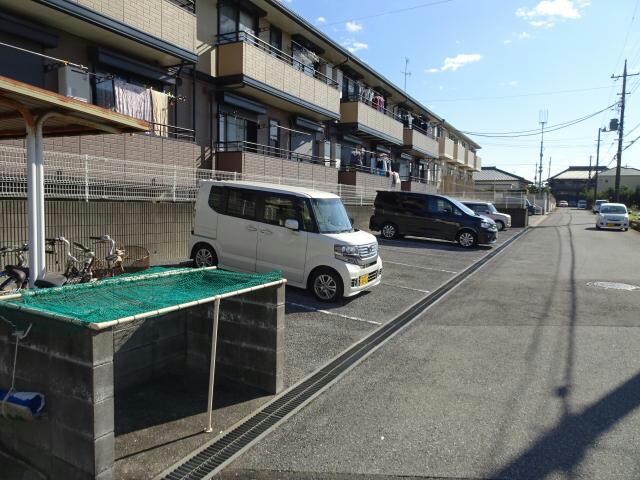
x,y
613,215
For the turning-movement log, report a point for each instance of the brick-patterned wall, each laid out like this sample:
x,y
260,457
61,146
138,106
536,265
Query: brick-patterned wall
x,y
159,18
139,148
266,165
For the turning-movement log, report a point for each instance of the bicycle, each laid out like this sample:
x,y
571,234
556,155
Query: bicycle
x,y
76,271
16,275
114,258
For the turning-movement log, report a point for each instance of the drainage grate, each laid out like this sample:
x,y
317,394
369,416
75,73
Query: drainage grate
x,y
208,461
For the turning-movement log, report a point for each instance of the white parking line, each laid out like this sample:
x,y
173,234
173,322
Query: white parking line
x,y
417,266
327,312
406,288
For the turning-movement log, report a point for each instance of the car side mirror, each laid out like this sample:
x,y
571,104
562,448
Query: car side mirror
x,y
351,220
291,224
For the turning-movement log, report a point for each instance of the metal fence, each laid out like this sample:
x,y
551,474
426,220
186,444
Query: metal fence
x,y
87,177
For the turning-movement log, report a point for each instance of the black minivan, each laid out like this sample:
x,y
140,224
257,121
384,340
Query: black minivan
x,y
433,216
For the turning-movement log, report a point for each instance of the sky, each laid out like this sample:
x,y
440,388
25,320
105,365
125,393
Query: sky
x,y
491,66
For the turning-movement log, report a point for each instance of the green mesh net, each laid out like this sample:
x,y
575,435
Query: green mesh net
x,y
133,294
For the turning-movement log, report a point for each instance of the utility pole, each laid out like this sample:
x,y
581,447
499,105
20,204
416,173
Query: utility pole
x,y
535,175
590,167
595,189
549,171
621,124
406,72
543,117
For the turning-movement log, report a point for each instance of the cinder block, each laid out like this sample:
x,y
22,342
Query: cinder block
x,y
87,418
237,353
90,383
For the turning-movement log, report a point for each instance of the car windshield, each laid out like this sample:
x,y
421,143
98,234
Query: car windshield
x,y
492,208
613,209
463,207
331,215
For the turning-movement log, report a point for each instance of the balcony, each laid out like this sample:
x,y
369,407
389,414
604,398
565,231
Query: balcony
x,y
460,155
478,164
381,125
262,162
470,161
419,185
268,72
420,143
446,150
168,26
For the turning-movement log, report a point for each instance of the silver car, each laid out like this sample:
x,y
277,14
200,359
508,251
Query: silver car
x,y
612,215
488,209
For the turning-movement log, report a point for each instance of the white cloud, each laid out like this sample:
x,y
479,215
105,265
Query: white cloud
x,y
353,27
321,20
353,45
507,42
523,35
440,87
454,63
547,12
512,83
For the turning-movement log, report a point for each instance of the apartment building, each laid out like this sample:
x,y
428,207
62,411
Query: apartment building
x,y
236,85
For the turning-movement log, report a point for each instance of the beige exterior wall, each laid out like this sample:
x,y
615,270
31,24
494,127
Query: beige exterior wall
x,y
470,160
478,163
159,18
357,112
424,142
629,181
446,149
243,58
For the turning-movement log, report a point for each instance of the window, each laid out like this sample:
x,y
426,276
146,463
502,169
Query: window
x,y
278,209
241,203
331,215
308,225
414,203
386,200
216,199
274,133
275,38
442,207
233,20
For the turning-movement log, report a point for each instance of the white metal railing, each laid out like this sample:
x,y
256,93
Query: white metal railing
x,y
88,177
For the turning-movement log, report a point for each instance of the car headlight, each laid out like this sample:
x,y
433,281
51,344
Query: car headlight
x,y
487,225
346,253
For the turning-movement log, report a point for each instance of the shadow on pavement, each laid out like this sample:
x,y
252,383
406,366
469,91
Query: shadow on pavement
x,y
426,243
563,448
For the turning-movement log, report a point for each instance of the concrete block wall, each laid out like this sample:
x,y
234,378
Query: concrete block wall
x,y
73,368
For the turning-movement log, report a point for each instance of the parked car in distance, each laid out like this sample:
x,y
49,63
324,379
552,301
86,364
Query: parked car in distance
x,y
400,213
582,204
563,203
488,209
304,233
613,215
596,206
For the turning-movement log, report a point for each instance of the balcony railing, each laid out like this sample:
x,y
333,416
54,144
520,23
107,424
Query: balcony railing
x,y
250,39
447,148
244,146
188,5
420,140
356,110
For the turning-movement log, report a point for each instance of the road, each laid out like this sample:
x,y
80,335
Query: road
x,y
524,371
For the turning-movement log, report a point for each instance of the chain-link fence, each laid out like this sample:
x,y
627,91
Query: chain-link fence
x,y
88,177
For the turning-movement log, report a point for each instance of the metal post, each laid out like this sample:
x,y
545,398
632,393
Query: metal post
x,y
212,366
86,178
174,182
32,208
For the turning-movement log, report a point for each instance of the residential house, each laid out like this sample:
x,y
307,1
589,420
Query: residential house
x,y
497,180
570,183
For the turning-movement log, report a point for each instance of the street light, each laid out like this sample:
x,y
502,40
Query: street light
x,y
612,124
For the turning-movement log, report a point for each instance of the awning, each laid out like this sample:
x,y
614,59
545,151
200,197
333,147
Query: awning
x,y
33,113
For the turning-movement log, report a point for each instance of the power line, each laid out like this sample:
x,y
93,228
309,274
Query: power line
x,y
530,133
388,12
538,94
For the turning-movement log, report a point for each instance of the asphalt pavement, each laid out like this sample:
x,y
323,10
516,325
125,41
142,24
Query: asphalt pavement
x,y
527,370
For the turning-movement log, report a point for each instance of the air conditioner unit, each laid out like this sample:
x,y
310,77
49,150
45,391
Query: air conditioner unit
x,y
74,83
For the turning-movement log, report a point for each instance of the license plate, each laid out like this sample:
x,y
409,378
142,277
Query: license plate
x,y
611,224
363,279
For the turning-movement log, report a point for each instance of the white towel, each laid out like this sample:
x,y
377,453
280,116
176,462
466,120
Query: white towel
x,y
132,100
160,105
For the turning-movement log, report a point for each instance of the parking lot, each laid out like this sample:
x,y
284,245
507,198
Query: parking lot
x,y
413,267
315,332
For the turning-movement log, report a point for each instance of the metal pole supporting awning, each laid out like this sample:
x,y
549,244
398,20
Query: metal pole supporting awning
x,y
34,113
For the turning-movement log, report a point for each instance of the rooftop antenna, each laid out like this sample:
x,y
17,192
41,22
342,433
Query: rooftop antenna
x,y
406,72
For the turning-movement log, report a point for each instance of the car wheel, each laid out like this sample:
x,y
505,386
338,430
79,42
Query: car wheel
x,y
204,256
467,239
326,285
500,225
597,227
389,231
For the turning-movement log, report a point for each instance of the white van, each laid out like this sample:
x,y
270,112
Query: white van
x,y
306,234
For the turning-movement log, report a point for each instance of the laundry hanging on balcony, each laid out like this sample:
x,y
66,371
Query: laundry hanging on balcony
x,y
132,100
160,110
